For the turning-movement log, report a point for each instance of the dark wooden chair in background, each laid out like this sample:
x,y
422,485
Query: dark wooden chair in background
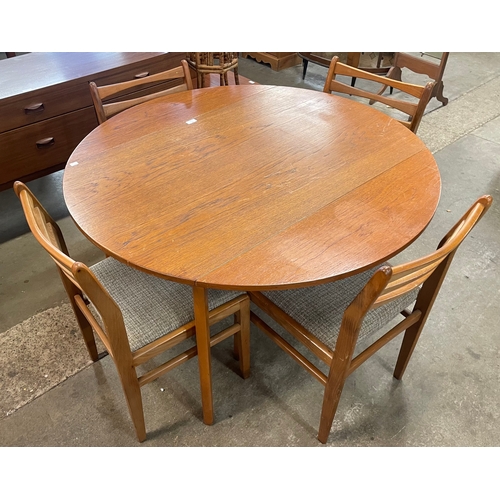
x,y
105,110
414,110
331,319
137,316
351,58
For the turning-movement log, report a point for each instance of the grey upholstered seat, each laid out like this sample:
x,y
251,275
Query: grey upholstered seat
x,y
139,311
320,308
151,306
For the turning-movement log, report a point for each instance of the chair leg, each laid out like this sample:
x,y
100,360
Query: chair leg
x,y
236,76
408,344
394,73
87,333
305,63
331,398
424,303
133,396
344,350
236,344
203,348
83,324
439,94
242,338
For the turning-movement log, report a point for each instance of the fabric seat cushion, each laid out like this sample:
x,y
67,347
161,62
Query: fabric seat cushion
x,y
151,306
320,308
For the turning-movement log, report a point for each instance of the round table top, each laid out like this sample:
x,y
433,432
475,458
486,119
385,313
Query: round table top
x,y
252,187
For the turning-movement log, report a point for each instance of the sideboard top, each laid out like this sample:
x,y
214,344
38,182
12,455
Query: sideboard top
x,y
36,70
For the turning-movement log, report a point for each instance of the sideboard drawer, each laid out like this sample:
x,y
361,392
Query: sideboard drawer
x,y
34,107
44,144
125,74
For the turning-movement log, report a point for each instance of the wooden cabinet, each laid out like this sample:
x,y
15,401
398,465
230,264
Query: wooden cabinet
x,y
46,108
277,60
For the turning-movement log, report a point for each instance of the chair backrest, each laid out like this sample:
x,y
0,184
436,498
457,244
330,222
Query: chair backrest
x,y
406,277
422,66
109,109
78,279
414,109
388,284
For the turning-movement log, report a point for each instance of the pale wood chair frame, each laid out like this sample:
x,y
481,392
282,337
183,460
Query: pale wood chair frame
x,y
81,285
107,110
414,110
387,284
203,63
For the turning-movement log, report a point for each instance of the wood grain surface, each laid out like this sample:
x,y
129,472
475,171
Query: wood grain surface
x,y
269,187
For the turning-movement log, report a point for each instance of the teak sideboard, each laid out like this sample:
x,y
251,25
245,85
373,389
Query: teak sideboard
x,y
46,108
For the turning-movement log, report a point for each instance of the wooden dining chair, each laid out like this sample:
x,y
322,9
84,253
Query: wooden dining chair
x,y
331,319
110,93
414,109
137,316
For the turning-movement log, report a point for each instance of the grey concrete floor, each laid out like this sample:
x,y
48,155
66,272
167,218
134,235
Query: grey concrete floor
x,y
449,396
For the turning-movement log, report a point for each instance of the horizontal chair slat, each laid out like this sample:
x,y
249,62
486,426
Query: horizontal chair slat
x,y
409,88
406,107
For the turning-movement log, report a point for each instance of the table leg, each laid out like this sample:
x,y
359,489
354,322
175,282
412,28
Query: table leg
x,y
203,345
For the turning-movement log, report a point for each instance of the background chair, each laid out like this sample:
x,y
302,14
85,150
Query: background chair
x,y
136,316
414,110
423,67
331,319
204,63
123,90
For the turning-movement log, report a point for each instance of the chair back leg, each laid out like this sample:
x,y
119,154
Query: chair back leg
x,y
242,338
83,324
424,303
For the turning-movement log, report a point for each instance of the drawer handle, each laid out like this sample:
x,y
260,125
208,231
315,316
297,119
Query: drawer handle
x,y
45,143
142,75
34,108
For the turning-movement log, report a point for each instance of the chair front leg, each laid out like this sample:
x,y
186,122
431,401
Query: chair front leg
x,y
331,398
345,345
132,390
